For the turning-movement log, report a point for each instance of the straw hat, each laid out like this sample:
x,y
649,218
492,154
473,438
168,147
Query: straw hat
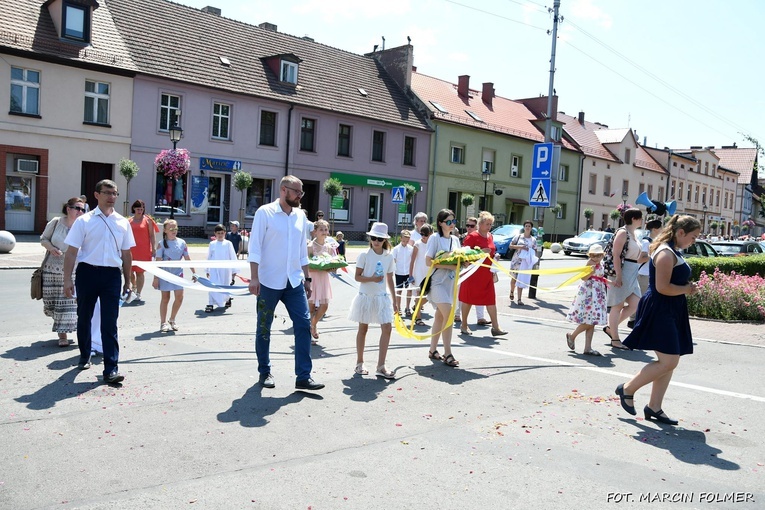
x,y
595,249
379,230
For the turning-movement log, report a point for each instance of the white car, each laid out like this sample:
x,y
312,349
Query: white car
x,y
582,242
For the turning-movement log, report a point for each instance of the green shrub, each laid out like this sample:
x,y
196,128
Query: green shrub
x,y
749,265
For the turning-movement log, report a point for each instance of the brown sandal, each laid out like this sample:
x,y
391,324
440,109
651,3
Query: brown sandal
x,y
450,361
435,355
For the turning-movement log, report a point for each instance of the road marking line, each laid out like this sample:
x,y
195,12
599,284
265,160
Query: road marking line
x,y
606,371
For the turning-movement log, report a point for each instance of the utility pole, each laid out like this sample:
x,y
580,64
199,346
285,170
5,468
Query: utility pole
x,y
551,89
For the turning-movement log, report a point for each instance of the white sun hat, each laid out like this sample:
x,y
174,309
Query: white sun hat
x,y
379,229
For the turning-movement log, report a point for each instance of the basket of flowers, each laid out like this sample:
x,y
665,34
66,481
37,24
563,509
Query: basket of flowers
x,y
173,163
326,262
464,254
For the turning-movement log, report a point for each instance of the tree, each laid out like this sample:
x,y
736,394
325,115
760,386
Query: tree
x,y
588,214
411,191
556,209
713,226
128,170
467,199
332,187
615,215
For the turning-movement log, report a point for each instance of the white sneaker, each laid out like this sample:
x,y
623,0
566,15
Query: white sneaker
x,y
137,297
173,325
165,328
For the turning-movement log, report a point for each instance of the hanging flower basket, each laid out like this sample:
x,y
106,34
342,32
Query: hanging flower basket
x,y
173,163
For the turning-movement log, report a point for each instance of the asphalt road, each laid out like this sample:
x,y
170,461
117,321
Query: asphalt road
x,y
523,423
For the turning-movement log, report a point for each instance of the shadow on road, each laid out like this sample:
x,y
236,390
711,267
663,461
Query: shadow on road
x,y
33,351
252,409
62,388
685,445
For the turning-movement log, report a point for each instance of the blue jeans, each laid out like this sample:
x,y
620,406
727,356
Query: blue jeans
x,y
295,301
92,283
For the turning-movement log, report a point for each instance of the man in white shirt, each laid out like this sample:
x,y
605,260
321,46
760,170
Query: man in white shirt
x,y
279,272
100,243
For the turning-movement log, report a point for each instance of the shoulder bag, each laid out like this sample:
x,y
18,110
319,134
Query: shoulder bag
x,y
36,287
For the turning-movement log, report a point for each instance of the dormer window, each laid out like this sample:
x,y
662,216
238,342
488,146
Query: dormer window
x,y
289,72
72,18
76,22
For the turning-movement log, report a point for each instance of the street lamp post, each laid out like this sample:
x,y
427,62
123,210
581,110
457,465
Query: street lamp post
x,y
625,197
704,225
175,136
485,176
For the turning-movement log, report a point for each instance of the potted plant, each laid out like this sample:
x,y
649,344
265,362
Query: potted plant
x,y
242,182
467,199
128,170
173,164
615,215
332,187
588,214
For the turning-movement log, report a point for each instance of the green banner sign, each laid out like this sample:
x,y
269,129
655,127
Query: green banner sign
x,y
371,181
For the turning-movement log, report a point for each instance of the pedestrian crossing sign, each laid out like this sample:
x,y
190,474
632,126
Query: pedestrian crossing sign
x,y
399,195
540,193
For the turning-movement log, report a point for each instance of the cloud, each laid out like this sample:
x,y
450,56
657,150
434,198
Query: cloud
x,y
586,9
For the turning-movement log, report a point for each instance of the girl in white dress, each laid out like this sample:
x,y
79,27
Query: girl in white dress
x,y
220,249
373,304
419,269
173,248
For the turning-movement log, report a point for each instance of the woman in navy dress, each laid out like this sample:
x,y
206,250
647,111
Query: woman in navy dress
x,y
662,323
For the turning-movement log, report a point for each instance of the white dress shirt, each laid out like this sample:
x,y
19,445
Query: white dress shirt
x,y
278,245
98,246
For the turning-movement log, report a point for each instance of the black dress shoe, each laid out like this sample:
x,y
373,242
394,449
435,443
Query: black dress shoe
x,y
650,414
114,378
267,381
622,397
308,384
83,365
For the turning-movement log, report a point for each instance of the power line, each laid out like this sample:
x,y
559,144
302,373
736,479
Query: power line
x,y
496,15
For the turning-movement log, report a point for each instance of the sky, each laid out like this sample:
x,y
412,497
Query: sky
x,y
680,73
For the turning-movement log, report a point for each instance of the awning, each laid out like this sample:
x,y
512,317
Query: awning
x,y
518,201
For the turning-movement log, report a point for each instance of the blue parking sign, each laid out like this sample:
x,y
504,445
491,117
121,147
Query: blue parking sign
x,y
542,164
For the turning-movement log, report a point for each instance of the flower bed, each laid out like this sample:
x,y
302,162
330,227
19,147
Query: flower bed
x,y
729,297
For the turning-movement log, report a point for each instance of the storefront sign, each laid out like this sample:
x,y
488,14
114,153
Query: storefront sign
x,y
199,187
219,165
372,181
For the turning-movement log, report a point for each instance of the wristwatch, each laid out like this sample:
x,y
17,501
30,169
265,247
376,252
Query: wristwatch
x,y
309,279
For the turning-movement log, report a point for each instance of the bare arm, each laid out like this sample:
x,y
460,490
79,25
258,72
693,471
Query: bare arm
x,y
254,281
69,259
411,262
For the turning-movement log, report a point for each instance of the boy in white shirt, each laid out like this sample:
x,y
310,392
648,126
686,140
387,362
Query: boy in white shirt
x,y
402,256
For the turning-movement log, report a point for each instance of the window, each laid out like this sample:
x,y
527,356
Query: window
x,y
661,193
607,186
641,189
307,135
717,198
706,167
340,206
563,173
96,102
680,191
171,192
690,192
593,183
25,91
76,22
476,118
268,128
258,193
672,189
487,165
625,188
458,154
289,72
696,196
344,141
603,221
515,166
650,193
555,133
562,213
221,120
627,155
169,111
726,200
409,146
378,146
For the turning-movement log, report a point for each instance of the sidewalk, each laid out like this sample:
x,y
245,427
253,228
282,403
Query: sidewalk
x,y
28,254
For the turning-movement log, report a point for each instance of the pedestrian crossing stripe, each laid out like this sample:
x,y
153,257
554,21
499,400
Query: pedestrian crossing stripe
x,y
540,195
397,195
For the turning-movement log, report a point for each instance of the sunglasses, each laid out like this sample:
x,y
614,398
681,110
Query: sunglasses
x,y
450,222
468,225
81,209
376,239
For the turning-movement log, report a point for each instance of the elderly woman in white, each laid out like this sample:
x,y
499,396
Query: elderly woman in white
x,y
524,258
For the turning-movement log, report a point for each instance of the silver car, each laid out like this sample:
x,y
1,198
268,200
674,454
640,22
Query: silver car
x,y
582,242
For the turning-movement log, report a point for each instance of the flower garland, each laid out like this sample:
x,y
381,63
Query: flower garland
x,y
173,163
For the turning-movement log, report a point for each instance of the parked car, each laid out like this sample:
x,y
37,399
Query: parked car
x,y
504,235
700,249
737,248
582,242
165,209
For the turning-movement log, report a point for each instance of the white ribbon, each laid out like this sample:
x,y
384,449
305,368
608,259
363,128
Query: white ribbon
x,y
155,268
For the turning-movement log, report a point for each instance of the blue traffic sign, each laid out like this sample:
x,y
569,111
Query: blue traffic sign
x,y
542,164
539,193
398,195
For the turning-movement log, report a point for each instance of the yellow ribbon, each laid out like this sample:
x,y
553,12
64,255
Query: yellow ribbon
x,y
408,332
